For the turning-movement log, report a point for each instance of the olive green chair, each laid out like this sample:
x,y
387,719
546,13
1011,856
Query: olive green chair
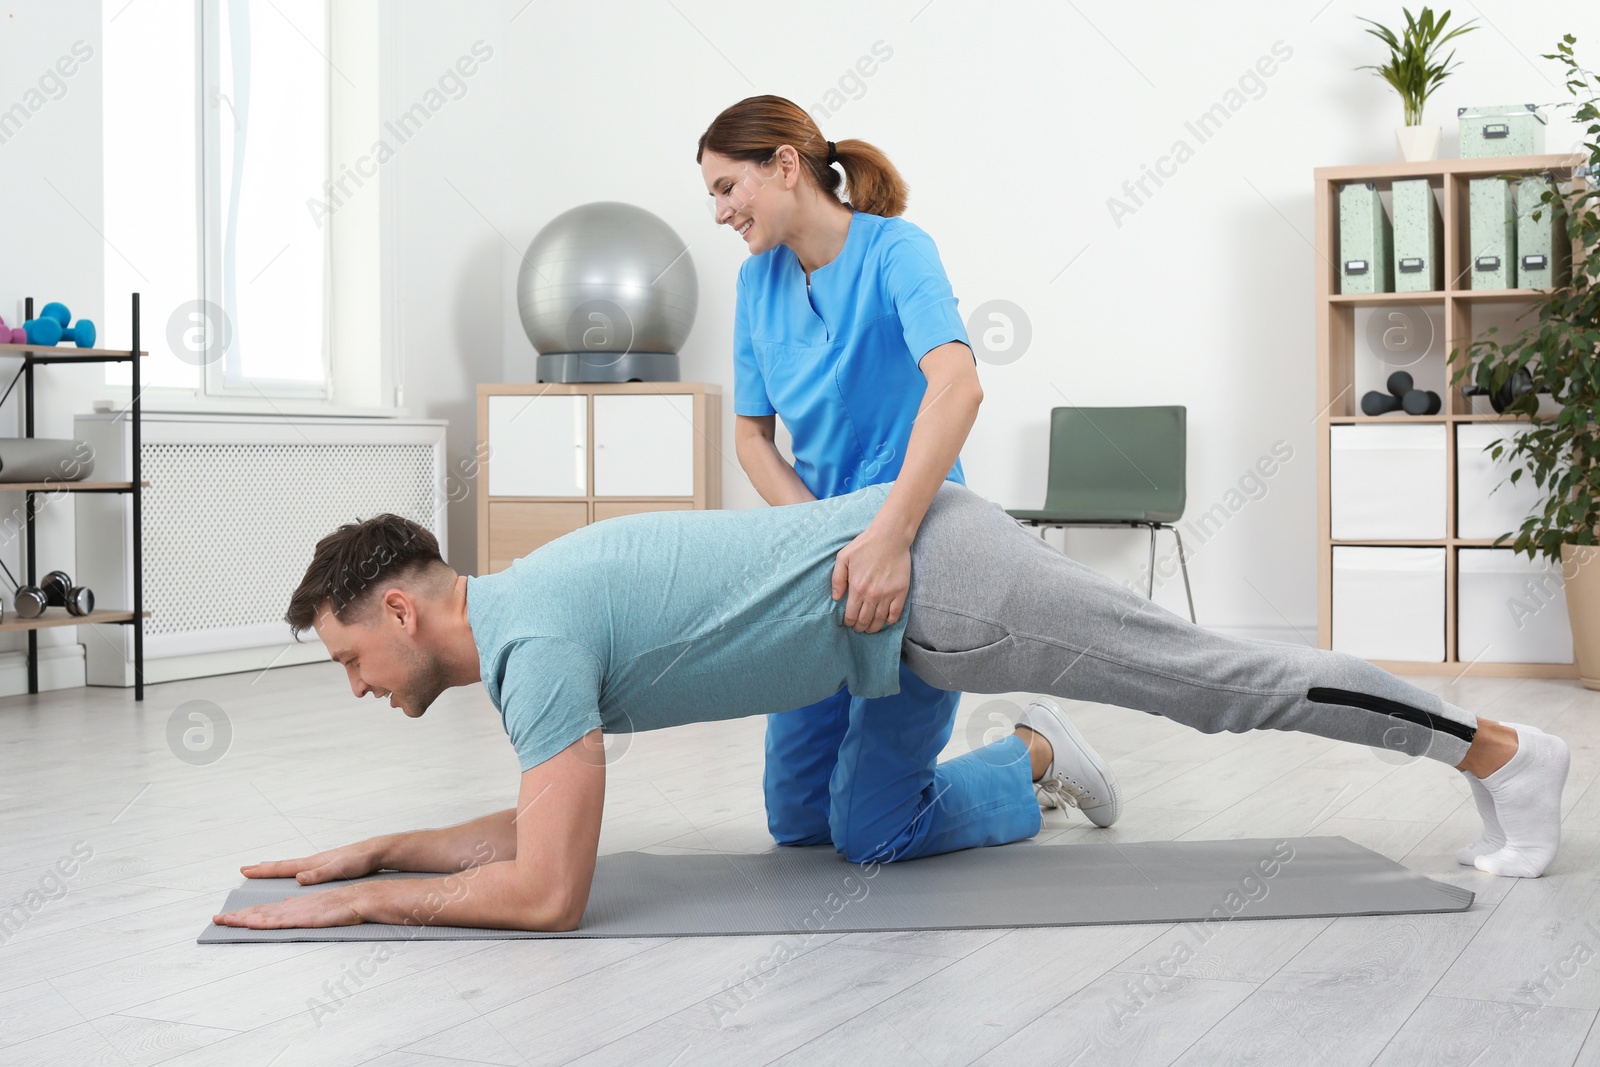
x,y
1117,467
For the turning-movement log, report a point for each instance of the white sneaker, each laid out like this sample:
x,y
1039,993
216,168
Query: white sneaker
x,y
1077,776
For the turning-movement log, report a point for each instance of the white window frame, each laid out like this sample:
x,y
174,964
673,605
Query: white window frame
x,y
360,357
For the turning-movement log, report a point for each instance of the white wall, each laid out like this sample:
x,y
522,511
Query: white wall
x,y
1013,124
51,209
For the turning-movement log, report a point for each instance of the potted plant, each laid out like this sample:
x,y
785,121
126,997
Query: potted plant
x,y
1414,71
1560,351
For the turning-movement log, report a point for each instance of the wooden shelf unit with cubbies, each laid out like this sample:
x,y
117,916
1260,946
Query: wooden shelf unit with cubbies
x,y
553,458
1338,401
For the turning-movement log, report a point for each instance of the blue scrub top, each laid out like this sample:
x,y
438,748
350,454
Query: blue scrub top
x,y
839,363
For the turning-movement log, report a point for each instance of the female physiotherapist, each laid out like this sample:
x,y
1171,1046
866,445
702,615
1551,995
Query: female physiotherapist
x,y
846,327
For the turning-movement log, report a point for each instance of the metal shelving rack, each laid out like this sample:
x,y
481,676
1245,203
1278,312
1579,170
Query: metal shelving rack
x,y
34,355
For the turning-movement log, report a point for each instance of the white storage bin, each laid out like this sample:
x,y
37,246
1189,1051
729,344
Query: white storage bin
x,y
1388,603
1487,503
1387,482
537,445
1510,609
644,445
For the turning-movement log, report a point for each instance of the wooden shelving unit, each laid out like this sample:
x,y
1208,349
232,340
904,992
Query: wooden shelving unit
x,y
32,356
1339,404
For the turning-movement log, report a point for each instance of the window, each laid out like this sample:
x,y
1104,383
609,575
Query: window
x,y
264,106
220,119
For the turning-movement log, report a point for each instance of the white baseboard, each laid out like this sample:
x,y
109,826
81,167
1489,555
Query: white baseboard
x,y
210,664
60,667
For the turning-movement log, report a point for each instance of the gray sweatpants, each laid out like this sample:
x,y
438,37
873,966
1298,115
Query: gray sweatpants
x,y
994,609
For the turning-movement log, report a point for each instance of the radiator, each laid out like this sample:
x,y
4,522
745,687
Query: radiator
x,y
232,514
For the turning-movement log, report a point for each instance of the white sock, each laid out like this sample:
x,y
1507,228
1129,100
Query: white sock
x,y
1527,802
1492,838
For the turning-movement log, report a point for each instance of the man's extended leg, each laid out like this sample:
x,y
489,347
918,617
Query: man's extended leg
x,y
994,609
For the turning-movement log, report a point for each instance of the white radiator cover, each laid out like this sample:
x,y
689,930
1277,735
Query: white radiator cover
x,y
232,514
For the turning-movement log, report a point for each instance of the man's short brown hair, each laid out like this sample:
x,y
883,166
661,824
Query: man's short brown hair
x,y
357,561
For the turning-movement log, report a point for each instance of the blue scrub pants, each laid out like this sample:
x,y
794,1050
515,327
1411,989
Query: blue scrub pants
x,y
864,774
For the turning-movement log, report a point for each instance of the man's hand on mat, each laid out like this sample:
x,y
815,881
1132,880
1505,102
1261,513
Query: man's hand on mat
x,y
327,907
875,569
347,861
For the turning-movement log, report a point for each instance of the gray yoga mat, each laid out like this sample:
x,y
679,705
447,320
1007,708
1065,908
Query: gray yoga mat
x,y
789,890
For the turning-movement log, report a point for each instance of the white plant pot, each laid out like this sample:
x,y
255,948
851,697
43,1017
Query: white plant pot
x,y
1417,143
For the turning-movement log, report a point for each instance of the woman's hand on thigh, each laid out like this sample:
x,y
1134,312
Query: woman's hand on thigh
x,y
875,571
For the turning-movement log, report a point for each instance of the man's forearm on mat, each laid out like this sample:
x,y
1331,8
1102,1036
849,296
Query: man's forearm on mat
x,y
494,896
452,848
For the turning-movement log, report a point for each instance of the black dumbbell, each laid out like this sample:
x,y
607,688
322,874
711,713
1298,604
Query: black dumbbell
x,y
1520,382
1376,403
1422,402
61,593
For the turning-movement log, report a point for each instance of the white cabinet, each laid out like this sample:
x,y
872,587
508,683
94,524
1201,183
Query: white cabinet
x,y
1488,504
538,446
1510,609
1388,603
1387,482
644,445
561,456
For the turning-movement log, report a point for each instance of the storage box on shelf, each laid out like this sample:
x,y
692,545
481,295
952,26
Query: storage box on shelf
x,y
39,355
553,458
1408,506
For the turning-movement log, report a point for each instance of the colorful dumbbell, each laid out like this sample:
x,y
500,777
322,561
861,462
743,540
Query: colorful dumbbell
x,y
51,328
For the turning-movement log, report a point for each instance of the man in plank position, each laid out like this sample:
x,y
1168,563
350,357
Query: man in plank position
x,y
655,620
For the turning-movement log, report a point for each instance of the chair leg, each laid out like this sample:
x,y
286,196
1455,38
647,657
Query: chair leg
x,y
1184,564
1150,569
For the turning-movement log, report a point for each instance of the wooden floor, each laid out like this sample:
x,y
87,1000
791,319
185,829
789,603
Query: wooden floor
x,y
104,968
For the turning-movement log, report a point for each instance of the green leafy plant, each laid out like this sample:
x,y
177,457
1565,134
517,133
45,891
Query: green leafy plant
x,y
1414,70
1560,350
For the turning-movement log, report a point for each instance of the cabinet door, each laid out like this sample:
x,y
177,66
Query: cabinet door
x,y
537,446
644,445
517,528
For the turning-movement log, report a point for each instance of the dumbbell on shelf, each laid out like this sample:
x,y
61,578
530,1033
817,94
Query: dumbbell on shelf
x,y
55,590
1520,383
51,328
1402,395
11,335
61,593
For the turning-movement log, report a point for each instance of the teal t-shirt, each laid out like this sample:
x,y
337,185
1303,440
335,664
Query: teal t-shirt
x,y
654,620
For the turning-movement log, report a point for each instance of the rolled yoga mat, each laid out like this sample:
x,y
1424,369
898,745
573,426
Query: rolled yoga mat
x,y
38,459
790,890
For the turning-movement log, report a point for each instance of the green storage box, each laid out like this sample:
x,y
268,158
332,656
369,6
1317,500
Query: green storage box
x,y
1418,238
1366,240
1544,251
1504,130
1492,235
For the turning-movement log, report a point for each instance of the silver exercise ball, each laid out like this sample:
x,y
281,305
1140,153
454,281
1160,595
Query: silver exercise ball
x,y
607,293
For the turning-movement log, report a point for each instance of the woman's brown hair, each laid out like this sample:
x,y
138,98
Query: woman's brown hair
x,y
751,130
